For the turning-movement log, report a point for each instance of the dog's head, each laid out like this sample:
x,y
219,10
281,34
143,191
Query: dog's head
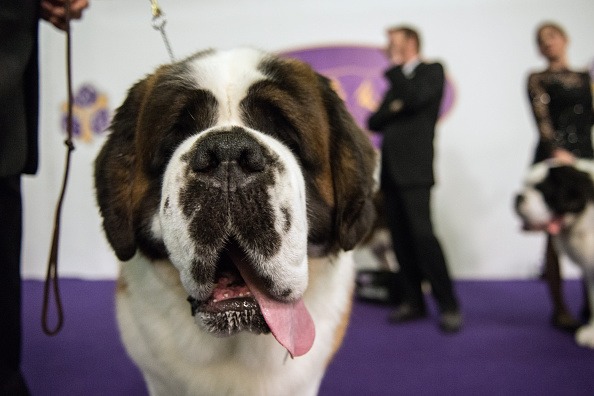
x,y
233,165
553,196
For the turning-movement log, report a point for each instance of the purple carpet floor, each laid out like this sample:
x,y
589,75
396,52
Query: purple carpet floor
x,y
506,347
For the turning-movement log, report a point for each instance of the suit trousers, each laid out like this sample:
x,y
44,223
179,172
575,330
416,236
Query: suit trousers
x,y
11,381
417,249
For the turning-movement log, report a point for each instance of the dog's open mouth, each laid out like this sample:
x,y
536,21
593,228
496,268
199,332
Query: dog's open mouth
x,y
239,302
231,307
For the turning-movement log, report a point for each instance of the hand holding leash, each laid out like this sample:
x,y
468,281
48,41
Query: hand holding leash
x,y
55,11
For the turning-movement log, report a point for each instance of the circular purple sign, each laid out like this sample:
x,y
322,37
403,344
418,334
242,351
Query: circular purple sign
x,y
357,73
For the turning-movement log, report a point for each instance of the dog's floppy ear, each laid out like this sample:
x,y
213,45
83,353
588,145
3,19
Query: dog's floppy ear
x,y
353,163
115,169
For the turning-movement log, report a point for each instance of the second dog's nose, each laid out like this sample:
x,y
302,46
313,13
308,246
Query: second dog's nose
x,y
519,199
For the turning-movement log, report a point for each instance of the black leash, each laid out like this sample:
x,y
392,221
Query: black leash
x,y
51,279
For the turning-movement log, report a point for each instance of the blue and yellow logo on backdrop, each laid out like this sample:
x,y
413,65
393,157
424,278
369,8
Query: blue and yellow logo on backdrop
x,y
90,113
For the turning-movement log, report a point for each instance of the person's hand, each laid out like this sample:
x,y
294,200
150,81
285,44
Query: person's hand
x,y
54,11
563,156
396,105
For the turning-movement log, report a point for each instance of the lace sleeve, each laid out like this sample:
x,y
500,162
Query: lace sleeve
x,y
539,100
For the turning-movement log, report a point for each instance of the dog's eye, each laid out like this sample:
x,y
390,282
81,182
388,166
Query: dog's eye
x,y
194,112
279,112
198,114
270,119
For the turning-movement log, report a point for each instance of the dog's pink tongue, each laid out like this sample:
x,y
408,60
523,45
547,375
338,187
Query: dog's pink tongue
x,y
554,226
290,323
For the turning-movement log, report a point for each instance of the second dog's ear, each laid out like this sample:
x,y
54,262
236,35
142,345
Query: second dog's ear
x,y
115,169
573,189
353,165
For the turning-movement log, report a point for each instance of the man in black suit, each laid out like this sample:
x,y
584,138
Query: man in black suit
x,y
407,118
18,155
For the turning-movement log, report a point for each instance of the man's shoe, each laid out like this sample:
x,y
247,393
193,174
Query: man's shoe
x,y
406,313
450,321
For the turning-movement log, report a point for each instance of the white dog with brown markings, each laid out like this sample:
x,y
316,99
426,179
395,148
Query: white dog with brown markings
x,y
232,187
558,197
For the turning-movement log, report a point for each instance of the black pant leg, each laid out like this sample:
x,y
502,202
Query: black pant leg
x,y
11,381
410,276
428,251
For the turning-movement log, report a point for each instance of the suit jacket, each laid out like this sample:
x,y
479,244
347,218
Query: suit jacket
x,y
18,86
407,118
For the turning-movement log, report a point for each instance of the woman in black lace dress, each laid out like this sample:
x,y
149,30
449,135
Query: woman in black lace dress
x,y
561,100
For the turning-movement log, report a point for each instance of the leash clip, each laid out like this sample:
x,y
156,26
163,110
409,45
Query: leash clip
x,y
159,23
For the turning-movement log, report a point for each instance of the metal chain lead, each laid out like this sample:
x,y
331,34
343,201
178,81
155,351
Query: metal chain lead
x,y
159,23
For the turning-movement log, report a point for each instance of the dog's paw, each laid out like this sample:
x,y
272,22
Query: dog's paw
x,y
584,336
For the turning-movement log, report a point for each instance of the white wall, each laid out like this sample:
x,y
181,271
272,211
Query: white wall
x,y
484,145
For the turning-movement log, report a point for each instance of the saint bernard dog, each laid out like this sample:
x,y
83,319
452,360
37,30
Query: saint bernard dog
x,y
559,198
233,186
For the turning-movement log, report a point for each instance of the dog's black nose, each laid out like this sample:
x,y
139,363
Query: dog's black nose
x,y
519,199
233,148
229,157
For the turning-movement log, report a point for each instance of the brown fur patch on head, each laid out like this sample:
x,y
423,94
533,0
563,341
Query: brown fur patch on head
x,y
158,113
299,107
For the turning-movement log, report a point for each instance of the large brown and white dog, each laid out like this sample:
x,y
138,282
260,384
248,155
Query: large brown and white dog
x,y
559,198
232,185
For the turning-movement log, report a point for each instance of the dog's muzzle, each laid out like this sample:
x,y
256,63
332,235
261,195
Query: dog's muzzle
x,y
233,217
